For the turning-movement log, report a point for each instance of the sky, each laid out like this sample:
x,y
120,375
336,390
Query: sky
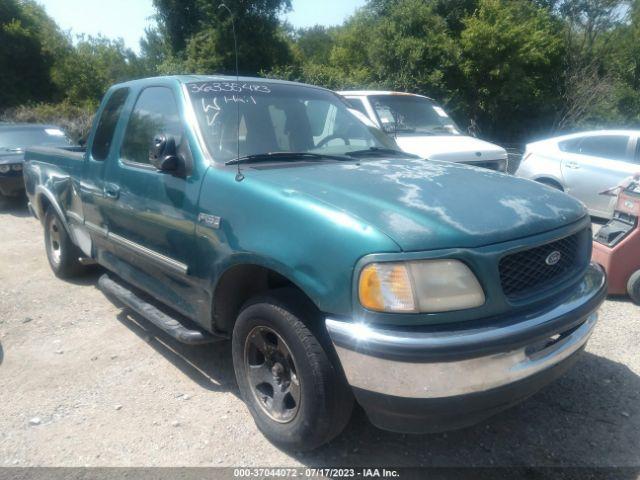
x,y
128,18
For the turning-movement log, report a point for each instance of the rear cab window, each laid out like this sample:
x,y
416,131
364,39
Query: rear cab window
x,y
107,124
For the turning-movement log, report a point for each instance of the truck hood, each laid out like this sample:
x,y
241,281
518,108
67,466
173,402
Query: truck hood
x,y
451,148
425,205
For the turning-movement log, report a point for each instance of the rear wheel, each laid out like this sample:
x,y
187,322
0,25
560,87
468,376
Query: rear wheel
x,y
63,255
633,287
296,395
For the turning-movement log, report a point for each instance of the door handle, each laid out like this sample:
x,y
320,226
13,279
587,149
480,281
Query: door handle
x,y
111,191
573,165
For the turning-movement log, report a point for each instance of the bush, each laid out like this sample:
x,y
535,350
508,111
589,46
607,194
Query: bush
x,y
74,120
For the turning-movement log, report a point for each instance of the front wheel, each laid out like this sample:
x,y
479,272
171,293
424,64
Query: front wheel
x,y
296,395
63,255
633,287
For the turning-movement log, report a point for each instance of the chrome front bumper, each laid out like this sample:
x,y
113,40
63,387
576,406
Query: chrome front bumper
x,y
440,363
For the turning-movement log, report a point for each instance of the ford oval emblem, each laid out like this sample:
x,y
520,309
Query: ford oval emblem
x,y
553,258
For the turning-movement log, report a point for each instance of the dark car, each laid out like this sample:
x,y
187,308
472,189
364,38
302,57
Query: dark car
x,y
14,138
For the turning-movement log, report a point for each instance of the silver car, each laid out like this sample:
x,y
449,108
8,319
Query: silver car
x,y
584,164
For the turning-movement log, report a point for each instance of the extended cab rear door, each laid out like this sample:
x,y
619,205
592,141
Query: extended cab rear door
x,y
98,155
150,215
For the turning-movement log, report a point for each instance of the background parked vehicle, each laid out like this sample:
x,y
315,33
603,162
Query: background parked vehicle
x,y
422,127
14,139
617,244
584,164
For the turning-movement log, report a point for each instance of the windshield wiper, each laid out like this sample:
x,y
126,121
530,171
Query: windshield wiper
x,y
271,156
381,151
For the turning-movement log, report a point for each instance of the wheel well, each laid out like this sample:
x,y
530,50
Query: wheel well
x,y
44,204
238,285
550,182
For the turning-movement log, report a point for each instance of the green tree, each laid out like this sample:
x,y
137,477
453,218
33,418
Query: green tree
x,y
511,57
623,62
93,66
199,35
315,43
404,45
30,44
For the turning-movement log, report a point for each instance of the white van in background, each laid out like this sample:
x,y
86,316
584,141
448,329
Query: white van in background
x,y
422,127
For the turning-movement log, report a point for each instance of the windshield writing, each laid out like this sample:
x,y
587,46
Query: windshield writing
x,y
278,118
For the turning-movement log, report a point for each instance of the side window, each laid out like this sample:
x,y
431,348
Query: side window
x,y
613,147
107,124
570,146
637,157
357,104
155,112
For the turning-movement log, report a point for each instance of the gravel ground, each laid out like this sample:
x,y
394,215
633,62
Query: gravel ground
x,y
84,384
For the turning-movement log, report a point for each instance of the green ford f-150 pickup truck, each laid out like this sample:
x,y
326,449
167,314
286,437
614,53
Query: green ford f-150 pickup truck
x,y
267,212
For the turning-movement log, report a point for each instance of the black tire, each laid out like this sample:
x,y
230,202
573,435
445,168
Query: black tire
x,y
633,287
63,255
324,399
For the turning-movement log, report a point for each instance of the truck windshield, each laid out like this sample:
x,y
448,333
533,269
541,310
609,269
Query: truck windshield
x,y
278,118
412,115
31,137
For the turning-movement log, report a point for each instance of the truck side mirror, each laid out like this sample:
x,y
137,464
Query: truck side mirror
x,y
163,154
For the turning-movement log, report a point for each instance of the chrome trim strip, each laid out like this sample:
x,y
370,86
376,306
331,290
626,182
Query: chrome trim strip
x,y
75,217
165,261
151,254
449,379
96,229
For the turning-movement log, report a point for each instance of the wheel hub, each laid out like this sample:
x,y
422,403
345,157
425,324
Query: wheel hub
x,y
54,242
272,374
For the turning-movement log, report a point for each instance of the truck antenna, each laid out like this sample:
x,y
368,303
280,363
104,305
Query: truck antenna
x,y
239,175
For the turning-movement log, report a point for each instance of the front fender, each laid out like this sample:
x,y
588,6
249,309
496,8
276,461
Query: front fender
x,y
313,245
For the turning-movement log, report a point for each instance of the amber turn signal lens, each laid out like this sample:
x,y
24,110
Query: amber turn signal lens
x,y
386,287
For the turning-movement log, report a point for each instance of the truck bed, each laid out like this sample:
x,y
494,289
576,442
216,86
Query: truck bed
x,y
55,154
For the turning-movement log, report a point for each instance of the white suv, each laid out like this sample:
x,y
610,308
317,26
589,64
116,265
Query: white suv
x,y
420,126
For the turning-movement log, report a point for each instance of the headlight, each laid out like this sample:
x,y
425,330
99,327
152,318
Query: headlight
x,y
16,167
419,286
4,168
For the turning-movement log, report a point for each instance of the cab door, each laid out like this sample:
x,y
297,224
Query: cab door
x,y
597,163
97,159
151,214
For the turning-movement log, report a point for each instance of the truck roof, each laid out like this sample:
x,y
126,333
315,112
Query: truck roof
x,y
213,78
366,93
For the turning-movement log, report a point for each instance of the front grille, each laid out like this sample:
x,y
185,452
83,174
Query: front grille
x,y
528,271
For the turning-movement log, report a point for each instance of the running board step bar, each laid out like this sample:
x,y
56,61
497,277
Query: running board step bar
x,y
165,322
